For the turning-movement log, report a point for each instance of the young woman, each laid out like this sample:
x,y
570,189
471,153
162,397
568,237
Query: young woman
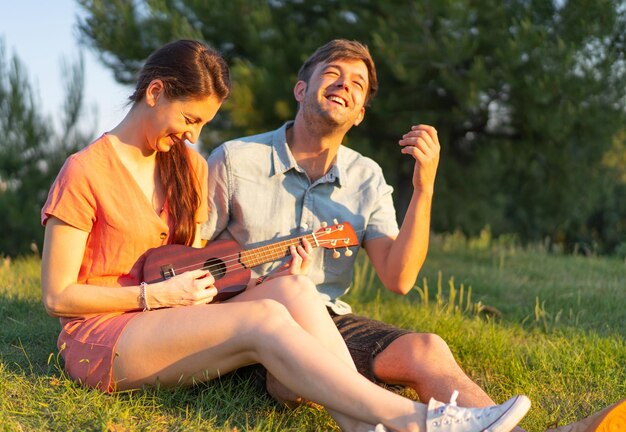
x,y
138,187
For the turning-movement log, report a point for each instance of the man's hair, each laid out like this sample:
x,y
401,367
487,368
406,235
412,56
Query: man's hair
x,y
342,49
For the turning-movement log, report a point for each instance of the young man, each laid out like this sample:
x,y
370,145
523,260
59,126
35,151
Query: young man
x,y
286,182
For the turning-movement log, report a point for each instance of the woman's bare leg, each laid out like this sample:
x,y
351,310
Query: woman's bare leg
x,y
299,295
180,345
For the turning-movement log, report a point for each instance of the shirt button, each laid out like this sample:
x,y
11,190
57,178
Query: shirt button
x,y
163,235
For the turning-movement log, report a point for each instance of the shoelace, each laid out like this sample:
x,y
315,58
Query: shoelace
x,y
452,402
452,415
455,394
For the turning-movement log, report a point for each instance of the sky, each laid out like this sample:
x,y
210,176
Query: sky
x,y
44,33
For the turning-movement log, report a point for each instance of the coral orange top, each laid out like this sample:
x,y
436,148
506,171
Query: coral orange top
x,y
94,192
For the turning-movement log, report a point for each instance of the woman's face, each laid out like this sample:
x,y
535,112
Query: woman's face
x,y
174,121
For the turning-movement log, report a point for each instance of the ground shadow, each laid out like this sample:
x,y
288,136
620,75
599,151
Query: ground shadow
x,y
27,335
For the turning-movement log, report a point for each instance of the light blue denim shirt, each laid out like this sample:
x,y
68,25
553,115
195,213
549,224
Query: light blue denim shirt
x,y
258,194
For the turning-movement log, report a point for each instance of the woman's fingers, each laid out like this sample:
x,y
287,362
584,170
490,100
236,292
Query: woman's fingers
x,y
190,288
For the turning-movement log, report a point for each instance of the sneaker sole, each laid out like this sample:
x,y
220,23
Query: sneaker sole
x,y
512,416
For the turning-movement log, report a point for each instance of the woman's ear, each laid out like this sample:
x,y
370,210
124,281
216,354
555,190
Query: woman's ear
x,y
154,91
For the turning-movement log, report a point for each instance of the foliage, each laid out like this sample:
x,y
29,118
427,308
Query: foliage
x,y
560,339
31,151
527,96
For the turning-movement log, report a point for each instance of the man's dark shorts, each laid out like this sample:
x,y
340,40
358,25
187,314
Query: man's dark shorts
x,y
365,339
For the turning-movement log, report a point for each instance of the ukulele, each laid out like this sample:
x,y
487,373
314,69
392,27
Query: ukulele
x,y
229,265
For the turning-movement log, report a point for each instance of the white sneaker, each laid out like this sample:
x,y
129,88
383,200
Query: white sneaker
x,y
452,418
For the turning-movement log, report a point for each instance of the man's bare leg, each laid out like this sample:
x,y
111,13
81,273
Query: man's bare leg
x,y
424,362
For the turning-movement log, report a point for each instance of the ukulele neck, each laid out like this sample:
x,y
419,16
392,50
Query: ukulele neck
x,y
272,252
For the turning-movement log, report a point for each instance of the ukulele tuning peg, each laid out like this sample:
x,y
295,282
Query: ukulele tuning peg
x,y
324,224
336,254
335,221
348,252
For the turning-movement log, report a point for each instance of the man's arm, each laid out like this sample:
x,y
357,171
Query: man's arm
x,y
398,260
218,195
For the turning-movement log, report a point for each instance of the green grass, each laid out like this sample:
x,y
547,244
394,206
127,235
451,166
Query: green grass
x,y
518,320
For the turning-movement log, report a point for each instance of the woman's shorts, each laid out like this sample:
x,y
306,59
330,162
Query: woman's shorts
x,y
88,346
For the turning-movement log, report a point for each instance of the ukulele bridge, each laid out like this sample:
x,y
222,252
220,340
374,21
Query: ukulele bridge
x,y
167,271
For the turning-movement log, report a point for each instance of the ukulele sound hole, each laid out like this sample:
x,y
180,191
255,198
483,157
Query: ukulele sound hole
x,y
216,266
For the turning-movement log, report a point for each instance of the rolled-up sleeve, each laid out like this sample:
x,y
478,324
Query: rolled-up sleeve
x,y
382,217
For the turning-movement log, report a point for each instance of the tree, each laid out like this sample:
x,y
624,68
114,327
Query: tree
x,y
31,152
527,95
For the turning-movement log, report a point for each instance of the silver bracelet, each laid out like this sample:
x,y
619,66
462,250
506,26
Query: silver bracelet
x,y
143,299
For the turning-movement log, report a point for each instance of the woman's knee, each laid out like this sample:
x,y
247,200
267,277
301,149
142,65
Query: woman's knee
x,y
294,287
268,314
303,285
270,321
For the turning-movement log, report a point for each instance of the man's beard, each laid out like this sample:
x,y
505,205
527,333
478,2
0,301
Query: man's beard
x,y
321,120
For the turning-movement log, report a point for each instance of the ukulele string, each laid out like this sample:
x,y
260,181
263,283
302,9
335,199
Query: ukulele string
x,y
231,266
230,262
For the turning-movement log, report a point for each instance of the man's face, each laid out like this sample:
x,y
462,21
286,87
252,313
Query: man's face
x,y
336,92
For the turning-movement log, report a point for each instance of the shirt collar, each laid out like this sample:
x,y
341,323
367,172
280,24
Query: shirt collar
x,y
284,161
339,168
281,154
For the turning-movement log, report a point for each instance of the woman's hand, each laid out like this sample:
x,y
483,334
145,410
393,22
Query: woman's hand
x,y
186,289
